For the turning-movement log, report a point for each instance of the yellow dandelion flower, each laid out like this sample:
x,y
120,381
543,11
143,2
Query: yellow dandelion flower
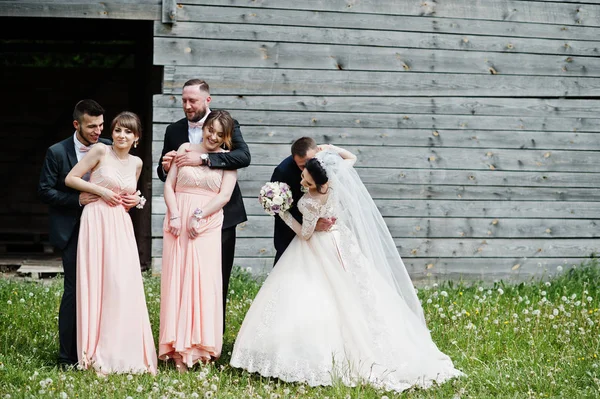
x,y
460,293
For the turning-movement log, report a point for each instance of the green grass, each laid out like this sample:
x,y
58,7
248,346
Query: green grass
x,y
534,340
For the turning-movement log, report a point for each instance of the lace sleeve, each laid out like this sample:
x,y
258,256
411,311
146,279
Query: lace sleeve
x,y
310,216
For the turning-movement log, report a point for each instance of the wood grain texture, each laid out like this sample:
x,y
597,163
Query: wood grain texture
x,y
243,81
380,30
500,210
447,248
403,121
408,227
497,178
444,158
499,10
516,107
275,54
424,271
475,123
115,9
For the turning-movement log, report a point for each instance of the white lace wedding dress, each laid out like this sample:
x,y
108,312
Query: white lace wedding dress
x,y
325,314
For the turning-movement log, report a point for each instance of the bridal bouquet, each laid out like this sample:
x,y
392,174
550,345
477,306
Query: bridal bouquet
x,y
275,197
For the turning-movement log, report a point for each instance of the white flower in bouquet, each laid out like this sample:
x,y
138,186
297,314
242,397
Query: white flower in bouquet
x,y
275,197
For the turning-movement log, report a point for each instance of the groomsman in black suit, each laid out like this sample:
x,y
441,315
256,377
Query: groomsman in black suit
x,y
65,209
195,100
289,171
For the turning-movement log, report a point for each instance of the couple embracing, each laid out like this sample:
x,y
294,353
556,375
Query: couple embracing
x,y
339,304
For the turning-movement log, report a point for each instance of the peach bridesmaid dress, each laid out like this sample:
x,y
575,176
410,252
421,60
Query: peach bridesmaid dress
x,y
113,327
191,308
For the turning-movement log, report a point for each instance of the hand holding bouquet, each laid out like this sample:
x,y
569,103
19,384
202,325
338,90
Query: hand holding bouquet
x,y
275,197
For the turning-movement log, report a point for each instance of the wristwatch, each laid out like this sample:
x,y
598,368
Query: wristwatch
x,y
204,159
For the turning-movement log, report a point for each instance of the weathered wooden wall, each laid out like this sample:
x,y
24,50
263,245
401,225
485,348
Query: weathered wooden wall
x,y
107,9
476,123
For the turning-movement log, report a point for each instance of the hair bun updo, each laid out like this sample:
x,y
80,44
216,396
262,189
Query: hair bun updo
x,y
317,171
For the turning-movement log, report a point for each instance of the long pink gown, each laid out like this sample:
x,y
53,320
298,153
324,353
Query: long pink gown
x,y
191,308
113,327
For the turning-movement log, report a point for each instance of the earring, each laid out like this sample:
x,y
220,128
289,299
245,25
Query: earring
x,y
135,144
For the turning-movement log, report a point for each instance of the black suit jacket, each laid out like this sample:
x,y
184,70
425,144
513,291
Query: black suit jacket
x,y
239,157
288,172
64,210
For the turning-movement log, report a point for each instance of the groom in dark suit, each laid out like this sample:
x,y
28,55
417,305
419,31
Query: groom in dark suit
x,y
289,171
195,99
65,209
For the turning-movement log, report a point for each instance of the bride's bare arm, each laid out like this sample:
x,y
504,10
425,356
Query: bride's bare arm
x,y
342,152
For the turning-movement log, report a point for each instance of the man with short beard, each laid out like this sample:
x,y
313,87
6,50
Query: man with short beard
x,y
195,100
65,206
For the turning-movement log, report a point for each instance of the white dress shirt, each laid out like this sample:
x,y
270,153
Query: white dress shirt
x,y
195,134
78,145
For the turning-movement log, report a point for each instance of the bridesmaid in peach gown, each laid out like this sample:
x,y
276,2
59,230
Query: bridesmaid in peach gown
x,y
191,308
113,327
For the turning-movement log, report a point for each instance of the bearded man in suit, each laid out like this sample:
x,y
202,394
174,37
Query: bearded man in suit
x,y
195,100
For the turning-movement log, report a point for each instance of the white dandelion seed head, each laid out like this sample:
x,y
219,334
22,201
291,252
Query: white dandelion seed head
x,y
559,268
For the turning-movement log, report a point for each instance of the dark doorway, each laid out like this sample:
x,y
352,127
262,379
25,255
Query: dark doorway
x,y
47,65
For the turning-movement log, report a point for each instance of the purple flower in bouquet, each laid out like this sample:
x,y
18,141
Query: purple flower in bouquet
x,y
275,197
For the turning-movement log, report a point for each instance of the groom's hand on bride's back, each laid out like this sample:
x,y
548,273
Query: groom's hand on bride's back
x,y
324,224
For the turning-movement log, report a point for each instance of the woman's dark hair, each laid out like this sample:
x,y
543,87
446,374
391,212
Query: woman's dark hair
x,y
317,172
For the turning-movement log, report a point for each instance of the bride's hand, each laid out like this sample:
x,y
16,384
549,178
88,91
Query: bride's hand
x,y
324,224
110,197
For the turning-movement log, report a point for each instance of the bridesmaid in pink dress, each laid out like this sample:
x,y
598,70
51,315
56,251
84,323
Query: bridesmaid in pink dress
x,y
113,327
191,309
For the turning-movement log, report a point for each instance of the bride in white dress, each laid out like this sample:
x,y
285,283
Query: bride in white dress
x,y
339,305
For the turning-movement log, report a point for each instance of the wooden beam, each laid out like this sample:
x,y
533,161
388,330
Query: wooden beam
x,y
169,11
499,10
253,81
111,9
